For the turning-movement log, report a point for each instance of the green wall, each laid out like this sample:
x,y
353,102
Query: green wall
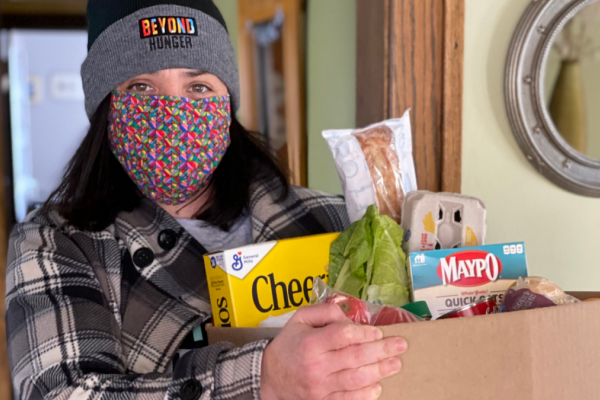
x,y
560,229
331,84
331,59
229,9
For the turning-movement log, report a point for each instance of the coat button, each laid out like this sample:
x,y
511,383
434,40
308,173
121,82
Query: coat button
x,y
143,257
167,239
190,390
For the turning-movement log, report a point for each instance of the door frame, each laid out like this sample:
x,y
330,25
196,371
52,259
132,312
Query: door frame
x,y
410,55
257,11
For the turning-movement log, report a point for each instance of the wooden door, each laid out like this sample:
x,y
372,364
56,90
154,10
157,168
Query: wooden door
x,y
5,386
53,7
410,56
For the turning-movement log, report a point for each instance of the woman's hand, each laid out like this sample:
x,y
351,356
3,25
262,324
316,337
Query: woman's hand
x,y
320,354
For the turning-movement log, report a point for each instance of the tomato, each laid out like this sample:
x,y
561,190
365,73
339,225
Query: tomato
x,y
387,316
355,309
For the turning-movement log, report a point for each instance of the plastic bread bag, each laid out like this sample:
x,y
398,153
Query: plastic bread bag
x,y
535,292
278,321
375,165
359,311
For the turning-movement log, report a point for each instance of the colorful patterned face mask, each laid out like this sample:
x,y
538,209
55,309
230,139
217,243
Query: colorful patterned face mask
x,y
169,146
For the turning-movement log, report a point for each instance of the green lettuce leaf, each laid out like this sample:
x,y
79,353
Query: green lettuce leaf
x,y
359,247
389,294
336,253
367,261
348,257
393,229
348,283
389,259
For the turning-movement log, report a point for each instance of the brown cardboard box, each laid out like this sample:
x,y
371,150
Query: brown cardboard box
x,y
544,354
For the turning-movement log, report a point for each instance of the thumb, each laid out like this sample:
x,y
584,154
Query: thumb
x,y
319,315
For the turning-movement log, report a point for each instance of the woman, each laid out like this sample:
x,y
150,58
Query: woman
x,y
106,285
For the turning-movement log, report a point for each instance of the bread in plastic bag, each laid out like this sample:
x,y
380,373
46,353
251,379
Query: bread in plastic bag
x,y
535,292
375,165
359,311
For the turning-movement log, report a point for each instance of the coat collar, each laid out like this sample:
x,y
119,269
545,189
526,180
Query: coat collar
x,y
174,285
265,210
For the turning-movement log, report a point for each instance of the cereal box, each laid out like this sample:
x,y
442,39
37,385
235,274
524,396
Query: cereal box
x,y
451,279
251,283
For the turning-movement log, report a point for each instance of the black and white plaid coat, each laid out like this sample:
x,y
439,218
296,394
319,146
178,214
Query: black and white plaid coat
x,y
84,322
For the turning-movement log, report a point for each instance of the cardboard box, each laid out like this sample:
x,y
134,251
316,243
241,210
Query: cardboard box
x,y
545,354
248,284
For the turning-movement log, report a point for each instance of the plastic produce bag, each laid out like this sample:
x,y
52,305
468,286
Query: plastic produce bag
x,y
535,292
277,322
375,165
358,311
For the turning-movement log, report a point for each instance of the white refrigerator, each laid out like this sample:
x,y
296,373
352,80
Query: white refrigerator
x,y
47,113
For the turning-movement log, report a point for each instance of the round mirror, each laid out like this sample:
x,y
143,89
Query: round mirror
x,y
553,91
572,81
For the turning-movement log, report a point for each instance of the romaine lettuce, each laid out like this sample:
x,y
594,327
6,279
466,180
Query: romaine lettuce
x,y
367,261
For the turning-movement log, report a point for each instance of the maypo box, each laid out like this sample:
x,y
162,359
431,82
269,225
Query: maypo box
x,y
248,284
450,279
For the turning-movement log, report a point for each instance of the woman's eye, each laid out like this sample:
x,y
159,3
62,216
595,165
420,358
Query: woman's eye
x,y
139,87
200,89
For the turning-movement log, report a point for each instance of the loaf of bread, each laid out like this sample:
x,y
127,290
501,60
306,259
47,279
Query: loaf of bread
x,y
546,288
375,165
380,154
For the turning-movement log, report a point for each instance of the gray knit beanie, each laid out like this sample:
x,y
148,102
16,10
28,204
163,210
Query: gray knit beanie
x,y
128,38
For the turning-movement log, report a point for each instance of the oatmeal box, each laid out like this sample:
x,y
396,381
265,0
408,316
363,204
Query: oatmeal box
x,y
451,279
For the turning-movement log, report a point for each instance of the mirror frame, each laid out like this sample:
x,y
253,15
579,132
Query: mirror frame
x,y
529,118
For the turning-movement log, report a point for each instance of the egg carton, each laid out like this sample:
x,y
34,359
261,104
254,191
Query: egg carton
x,y
436,221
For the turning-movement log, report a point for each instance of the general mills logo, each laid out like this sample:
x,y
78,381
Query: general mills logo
x,y
238,264
420,259
213,262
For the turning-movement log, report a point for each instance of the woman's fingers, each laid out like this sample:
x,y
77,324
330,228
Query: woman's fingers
x,y
321,354
343,334
369,393
368,353
319,315
355,379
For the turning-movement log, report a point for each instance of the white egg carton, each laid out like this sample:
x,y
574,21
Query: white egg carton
x,y
436,221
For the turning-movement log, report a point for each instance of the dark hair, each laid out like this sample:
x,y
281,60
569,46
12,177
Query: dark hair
x,y
95,187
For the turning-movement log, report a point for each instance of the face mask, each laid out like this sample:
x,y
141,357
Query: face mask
x,y
169,146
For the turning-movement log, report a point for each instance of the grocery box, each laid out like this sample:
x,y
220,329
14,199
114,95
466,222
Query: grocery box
x,y
451,279
545,354
248,284
436,221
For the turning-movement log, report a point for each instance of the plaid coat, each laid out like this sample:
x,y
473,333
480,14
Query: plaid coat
x,y
84,321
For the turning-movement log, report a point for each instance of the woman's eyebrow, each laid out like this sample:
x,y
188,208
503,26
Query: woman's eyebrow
x,y
195,73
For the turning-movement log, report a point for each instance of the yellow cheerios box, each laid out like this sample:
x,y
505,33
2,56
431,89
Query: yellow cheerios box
x,y
251,283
